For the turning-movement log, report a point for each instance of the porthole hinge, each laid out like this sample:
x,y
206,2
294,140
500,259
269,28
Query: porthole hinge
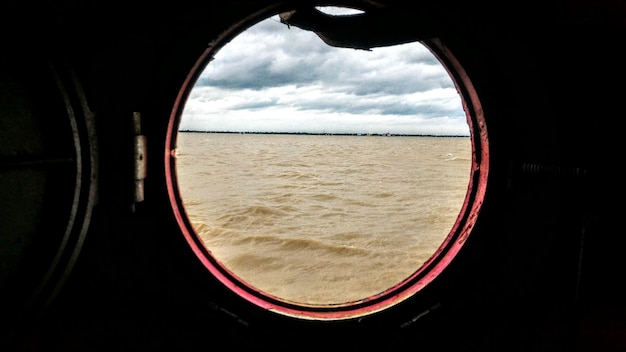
x,y
140,159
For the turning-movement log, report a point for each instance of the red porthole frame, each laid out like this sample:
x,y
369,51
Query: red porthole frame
x,y
392,296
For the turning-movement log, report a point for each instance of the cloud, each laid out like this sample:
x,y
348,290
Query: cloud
x,y
283,79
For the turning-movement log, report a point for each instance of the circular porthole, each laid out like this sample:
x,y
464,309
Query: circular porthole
x,y
325,182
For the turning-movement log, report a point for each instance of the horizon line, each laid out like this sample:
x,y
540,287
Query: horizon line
x,y
331,133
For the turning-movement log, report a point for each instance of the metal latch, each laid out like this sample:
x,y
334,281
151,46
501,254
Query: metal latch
x,y
140,160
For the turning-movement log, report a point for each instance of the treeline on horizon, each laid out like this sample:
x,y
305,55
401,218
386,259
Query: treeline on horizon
x,y
330,134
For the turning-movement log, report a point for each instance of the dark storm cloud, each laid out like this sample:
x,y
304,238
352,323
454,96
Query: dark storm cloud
x,y
265,59
382,104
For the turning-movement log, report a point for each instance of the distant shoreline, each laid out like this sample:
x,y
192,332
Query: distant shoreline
x,y
332,134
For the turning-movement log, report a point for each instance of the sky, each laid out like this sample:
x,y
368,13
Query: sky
x,y
275,78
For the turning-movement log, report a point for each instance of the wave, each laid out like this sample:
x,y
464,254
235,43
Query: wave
x,y
337,216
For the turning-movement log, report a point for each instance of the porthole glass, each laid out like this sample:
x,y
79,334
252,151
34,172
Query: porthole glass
x,y
317,177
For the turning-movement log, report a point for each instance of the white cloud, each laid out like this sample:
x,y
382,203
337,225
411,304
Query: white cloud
x,y
277,79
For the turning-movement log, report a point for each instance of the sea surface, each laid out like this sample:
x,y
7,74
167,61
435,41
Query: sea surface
x,y
322,219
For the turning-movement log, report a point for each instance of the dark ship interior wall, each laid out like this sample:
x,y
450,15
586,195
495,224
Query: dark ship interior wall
x,y
543,271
